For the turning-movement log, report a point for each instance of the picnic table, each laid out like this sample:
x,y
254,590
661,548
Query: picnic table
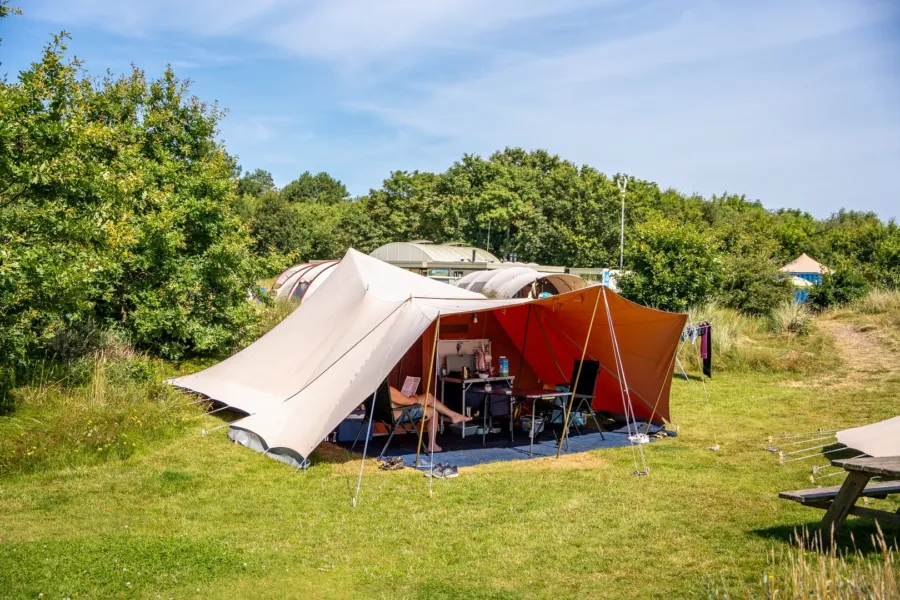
x,y
840,501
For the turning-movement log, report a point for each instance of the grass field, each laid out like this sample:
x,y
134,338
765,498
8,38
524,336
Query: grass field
x,y
186,516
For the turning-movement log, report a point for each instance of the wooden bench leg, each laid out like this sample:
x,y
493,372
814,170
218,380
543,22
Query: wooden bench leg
x,y
844,501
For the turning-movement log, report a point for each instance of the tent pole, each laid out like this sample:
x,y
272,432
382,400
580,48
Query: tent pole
x,y
437,332
568,414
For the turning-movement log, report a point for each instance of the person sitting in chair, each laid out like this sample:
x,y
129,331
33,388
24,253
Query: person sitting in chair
x,y
428,405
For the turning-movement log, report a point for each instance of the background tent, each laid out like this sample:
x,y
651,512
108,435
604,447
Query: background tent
x,y
516,282
299,381
301,281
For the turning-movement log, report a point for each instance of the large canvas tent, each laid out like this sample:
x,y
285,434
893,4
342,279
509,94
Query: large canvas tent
x,y
369,319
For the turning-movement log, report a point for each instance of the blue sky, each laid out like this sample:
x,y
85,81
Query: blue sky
x,y
795,103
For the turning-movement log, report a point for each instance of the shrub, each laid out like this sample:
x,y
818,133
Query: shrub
x,y
669,267
843,286
754,285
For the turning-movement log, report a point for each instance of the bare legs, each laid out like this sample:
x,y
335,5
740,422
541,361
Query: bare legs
x,y
431,404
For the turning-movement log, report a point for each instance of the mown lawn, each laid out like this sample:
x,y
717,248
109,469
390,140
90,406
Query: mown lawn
x,y
198,517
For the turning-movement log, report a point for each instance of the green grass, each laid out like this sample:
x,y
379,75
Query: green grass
x,y
186,516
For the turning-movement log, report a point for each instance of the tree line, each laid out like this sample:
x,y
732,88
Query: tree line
x,y
121,210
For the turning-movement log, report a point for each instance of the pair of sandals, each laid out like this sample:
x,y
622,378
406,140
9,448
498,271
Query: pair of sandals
x,y
391,463
442,471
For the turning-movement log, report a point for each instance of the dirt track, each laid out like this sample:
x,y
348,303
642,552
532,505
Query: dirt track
x,y
862,351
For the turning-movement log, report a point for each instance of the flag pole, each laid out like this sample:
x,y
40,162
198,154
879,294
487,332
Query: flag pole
x,y
587,338
437,332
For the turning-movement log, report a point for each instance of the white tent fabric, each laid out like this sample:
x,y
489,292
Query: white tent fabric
x,y
509,282
303,282
299,381
878,439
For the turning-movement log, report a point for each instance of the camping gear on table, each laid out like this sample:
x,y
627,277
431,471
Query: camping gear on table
x,y
503,366
301,379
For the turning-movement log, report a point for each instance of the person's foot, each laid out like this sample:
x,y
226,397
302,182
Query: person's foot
x,y
435,448
458,418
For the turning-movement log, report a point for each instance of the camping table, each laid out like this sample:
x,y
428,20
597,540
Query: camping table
x,y
464,385
523,395
859,472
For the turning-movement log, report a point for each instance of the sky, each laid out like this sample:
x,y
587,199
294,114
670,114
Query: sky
x,y
792,102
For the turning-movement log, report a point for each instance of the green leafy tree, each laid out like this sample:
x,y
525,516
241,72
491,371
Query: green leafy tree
x,y
256,183
321,188
114,209
669,267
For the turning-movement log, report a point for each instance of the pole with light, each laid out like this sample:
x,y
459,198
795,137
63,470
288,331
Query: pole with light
x,y
622,182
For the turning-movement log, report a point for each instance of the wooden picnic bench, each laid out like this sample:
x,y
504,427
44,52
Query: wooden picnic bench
x,y
840,501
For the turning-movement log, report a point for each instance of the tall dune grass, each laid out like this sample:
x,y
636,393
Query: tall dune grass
x,y
879,301
90,410
791,318
786,341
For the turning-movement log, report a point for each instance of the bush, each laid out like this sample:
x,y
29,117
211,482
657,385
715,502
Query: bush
x,y
754,285
114,213
843,286
669,267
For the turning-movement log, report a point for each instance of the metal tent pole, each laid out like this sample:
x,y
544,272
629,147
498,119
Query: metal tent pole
x,y
437,332
577,376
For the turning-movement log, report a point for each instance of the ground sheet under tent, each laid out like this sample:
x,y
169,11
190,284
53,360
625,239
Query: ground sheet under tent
x,y
469,451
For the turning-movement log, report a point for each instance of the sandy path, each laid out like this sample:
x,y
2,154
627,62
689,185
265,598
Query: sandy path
x,y
862,351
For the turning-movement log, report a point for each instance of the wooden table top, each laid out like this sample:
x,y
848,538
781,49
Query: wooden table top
x,y
888,465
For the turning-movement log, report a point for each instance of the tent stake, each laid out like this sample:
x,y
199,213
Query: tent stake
x,y
568,414
437,331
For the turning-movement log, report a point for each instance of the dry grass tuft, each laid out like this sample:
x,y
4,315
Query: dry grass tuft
x,y
879,301
791,318
802,572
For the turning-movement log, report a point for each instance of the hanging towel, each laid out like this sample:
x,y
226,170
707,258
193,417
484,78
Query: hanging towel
x,y
706,350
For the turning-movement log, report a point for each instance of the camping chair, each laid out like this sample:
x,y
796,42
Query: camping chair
x,y
385,414
584,395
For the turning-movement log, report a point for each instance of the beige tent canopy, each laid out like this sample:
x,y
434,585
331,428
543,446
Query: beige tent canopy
x,y
299,381
878,439
805,264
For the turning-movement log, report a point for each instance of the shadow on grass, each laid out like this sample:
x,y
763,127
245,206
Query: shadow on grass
x,y
680,377
855,535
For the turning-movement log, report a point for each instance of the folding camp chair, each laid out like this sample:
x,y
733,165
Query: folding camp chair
x,y
584,395
386,414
